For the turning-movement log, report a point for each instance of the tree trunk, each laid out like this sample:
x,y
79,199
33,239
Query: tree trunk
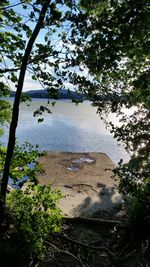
x,y
15,112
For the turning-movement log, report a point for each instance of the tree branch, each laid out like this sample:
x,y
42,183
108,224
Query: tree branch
x,y
103,249
92,221
65,252
17,4
8,70
15,113
113,256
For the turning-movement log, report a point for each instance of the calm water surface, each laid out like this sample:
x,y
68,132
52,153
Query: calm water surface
x,y
69,128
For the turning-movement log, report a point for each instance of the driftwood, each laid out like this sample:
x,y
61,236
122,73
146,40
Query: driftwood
x,y
92,221
99,222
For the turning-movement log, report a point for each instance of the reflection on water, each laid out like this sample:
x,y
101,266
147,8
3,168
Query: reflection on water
x,y
69,128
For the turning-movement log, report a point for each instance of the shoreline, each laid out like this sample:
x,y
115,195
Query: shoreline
x,y
84,179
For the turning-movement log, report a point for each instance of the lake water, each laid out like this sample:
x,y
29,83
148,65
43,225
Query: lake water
x,y
69,128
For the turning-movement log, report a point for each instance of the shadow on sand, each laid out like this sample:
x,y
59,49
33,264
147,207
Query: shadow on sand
x,y
106,199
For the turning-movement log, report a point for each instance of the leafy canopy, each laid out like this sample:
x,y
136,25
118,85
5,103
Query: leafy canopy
x,y
111,38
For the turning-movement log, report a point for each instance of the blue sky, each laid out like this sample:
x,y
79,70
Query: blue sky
x,y
30,84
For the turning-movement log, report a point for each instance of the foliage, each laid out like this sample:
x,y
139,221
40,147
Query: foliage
x,y
112,42
4,114
22,50
32,216
102,38
5,109
24,162
46,54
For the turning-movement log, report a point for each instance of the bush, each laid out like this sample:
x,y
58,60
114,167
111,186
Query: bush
x,y
32,216
134,184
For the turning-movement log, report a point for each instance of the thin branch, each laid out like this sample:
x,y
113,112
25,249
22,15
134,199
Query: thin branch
x,y
65,252
4,62
14,5
8,70
6,79
103,249
38,80
125,248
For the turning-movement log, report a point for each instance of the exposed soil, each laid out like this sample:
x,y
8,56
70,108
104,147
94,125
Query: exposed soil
x,y
98,245
84,178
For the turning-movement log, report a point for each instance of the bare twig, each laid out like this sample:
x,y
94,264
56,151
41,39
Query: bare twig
x,y
17,4
65,252
130,254
38,80
125,248
103,249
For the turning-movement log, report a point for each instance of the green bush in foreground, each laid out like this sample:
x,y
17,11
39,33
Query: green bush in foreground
x,y
32,216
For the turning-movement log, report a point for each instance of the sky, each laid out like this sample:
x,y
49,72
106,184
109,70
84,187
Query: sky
x,y
30,84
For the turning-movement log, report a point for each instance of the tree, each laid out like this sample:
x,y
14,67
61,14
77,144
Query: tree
x,y
21,52
112,43
15,114
33,213
103,38
109,44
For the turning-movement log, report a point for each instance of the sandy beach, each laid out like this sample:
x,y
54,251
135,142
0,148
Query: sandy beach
x,y
84,179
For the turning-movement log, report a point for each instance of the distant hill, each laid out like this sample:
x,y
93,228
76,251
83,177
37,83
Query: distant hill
x,y
62,94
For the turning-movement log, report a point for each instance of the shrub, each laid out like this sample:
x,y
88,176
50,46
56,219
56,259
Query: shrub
x,y
32,215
